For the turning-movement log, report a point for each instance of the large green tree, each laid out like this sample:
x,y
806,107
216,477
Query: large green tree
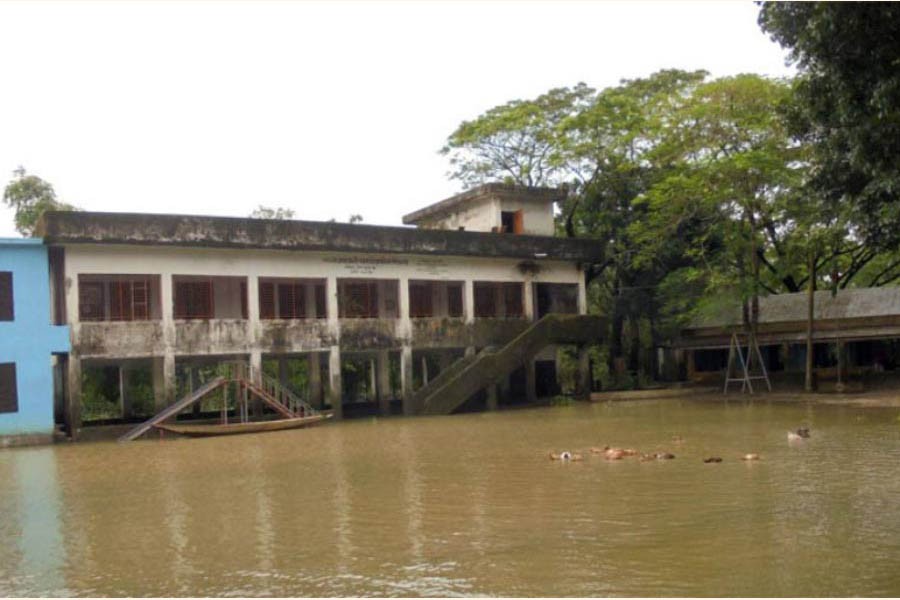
x,y
30,196
848,57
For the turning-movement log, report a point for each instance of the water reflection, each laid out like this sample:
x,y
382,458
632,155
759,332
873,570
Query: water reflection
x,y
469,505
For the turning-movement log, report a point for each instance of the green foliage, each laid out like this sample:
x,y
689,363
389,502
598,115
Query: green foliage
x,y
30,196
279,213
517,142
848,109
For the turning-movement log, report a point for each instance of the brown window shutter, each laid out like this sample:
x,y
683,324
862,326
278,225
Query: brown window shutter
x,y
321,301
7,310
286,301
519,222
513,298
299,300
485,306
140,299
244,307
455,300
266,300
181,299
91,300
9,395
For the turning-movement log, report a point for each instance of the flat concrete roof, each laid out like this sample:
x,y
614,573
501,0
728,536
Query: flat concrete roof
x,y
488,190
78,227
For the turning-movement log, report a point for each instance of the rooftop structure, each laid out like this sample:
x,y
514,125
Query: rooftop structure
x,y
493,207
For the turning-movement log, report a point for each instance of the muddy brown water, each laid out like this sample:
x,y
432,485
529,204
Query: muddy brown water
x,y
470,505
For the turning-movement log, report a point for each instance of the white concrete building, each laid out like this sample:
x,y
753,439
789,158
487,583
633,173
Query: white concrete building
x,y
380,310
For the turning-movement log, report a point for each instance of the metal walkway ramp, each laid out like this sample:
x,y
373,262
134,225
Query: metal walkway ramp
x,y
468,375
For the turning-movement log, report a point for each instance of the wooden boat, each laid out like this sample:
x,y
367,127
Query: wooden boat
x,y
209,429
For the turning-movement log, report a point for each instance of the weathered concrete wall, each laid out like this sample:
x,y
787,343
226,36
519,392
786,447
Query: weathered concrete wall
x,y
221,232
119,339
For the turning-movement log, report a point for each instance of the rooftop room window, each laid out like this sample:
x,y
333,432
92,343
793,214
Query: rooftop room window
x,y
292,299
7,313
9,396
200,297
118,297
512,222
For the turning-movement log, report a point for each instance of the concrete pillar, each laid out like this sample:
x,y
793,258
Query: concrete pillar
x,y
124,397
309,300
283,373
406,377
582,292
73,396
583,389
424,370
194,383
335,392
528,298
372,394
331,301
492,398
314,371
530,382
469,300
383,381
404,330
163,381
470,351
253,301
256,366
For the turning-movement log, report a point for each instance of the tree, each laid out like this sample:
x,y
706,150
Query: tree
x,y
354,219
264,212
516,142
848,56
30,196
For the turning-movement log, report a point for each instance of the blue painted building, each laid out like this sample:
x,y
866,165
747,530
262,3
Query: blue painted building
x,y
28,339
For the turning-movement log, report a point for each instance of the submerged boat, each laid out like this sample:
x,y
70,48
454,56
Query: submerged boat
x,y
210,429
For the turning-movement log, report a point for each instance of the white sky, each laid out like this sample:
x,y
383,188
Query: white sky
x,y
329,109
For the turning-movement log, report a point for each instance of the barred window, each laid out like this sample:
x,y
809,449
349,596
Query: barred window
x,y
7,312
9,396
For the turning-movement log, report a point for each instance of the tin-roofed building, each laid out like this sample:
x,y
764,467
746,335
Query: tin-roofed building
x,y
864,323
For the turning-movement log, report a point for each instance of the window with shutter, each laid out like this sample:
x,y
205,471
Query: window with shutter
x,y
7,311
485,300
420,300
120,301
193,300
512,295
91,301
244,308
321,303
455,300
9,395
266,300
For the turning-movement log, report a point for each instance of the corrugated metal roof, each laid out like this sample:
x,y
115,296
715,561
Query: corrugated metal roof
x,y
786,308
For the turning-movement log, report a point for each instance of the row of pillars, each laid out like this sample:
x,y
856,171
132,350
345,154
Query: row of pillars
x,y
163,369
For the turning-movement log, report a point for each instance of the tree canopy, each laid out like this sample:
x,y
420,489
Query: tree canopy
x,y
30,196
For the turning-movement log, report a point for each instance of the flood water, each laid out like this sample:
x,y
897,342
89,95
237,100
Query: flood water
x,y
470,505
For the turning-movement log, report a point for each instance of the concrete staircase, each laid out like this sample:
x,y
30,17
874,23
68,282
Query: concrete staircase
x,y
456,384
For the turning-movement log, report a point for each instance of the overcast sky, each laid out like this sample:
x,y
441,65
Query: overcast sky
x,y
329,109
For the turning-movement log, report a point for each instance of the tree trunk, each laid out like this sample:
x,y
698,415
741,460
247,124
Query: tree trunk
x,y
810,381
